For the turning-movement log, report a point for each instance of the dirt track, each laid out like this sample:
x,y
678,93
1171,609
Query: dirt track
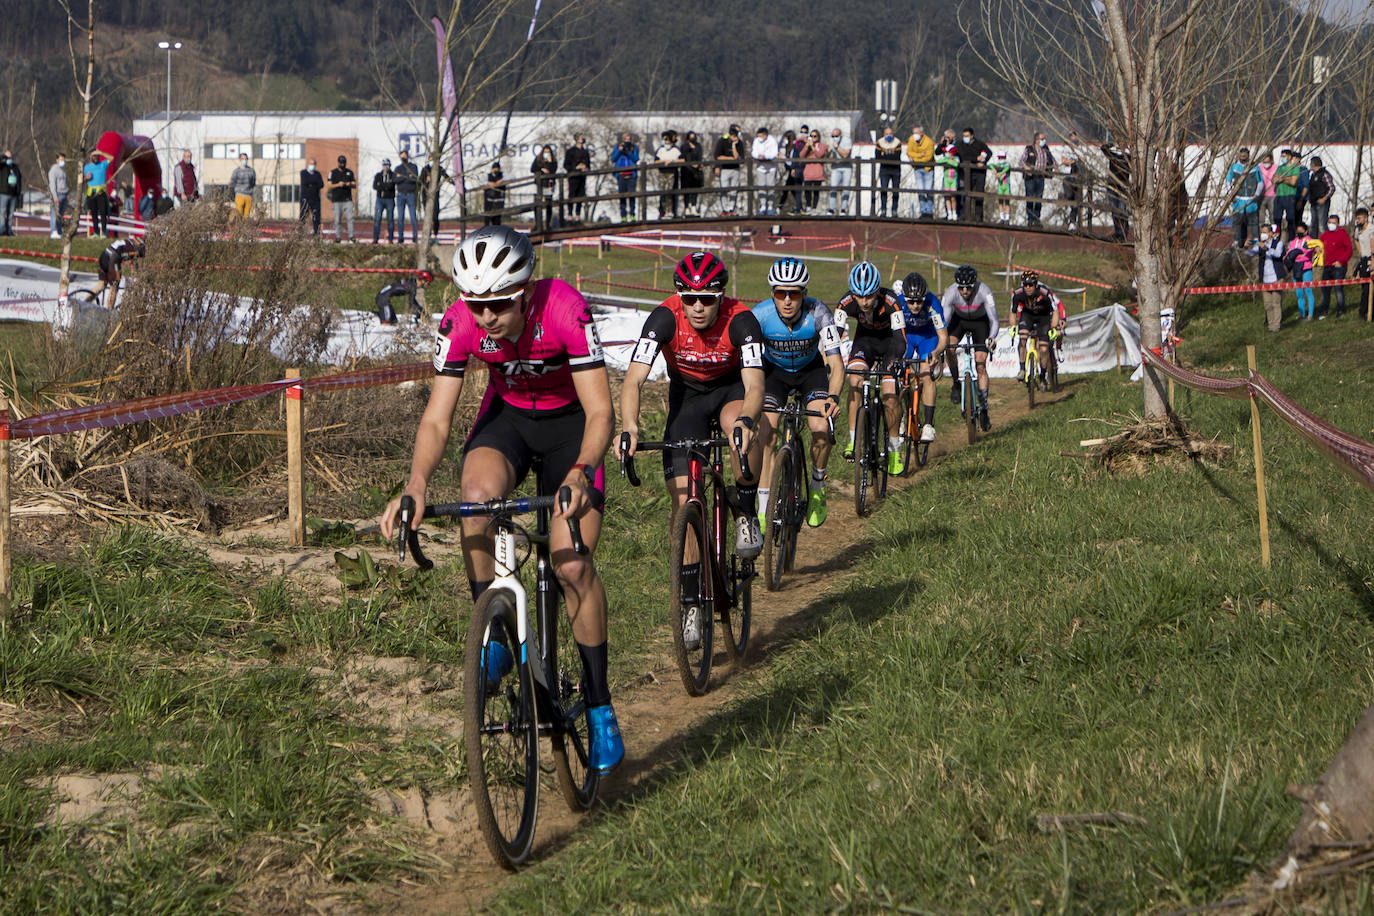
x,y
655,712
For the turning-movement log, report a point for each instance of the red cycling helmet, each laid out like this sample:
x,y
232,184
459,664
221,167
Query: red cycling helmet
x,y
700,272
424,276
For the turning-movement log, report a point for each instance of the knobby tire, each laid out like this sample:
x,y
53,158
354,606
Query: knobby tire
x,y
693,665
571,740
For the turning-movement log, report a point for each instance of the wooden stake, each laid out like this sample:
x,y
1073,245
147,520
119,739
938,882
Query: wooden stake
x,y
608,280
1369,311
6,605
1085,301
893,274
578,281
1259,465
1171,394
295,467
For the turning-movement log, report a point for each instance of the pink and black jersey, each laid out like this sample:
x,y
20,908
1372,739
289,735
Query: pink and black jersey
x,y
534,371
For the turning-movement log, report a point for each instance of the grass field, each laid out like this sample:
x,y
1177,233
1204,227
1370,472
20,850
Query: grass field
x,y
1028,636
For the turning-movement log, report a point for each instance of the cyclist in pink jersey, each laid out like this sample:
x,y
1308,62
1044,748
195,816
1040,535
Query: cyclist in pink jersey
x,y
548,397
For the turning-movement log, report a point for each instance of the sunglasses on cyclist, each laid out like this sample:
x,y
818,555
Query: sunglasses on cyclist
x,y
779,293
497,306
699,298
966,289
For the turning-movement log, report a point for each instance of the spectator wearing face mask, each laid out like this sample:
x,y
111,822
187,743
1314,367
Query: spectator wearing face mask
x,y
974,156
1269,249
1037,164
407,186
920,149
1336,252
841,173
11,188
1363,238
312,183
242,181
384,186
728,154
58,193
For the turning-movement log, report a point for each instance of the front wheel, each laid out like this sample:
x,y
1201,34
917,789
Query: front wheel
x,y
880,446
501,731
865,459
1052,371
690,594
737,616
778,518
970,409
577,779
1032,377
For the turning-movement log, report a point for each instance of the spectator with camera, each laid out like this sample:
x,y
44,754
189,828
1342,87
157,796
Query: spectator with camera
x,y
728,154
668,158
625,157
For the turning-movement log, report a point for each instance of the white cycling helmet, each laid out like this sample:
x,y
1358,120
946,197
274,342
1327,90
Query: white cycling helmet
x,y
788,272
491,260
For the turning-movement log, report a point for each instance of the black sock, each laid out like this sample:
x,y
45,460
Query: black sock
x,y
928,410
691,581
595,690
479,587
748,498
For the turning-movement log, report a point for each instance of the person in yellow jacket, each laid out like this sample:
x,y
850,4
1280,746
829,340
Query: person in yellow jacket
x,y
920,149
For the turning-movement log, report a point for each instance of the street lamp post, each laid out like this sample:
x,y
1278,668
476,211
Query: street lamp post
x,y
169,47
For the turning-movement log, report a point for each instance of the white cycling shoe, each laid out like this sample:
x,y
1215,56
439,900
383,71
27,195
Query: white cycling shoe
x,y
927,433
748,537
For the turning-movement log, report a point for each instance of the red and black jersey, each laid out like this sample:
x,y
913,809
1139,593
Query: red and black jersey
x,y
1040,303
702,359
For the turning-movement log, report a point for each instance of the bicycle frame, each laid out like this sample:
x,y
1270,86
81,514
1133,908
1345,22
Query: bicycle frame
x,y
698,462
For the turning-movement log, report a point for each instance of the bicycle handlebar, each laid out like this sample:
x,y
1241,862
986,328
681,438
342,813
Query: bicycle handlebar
x,y
627,461
406,537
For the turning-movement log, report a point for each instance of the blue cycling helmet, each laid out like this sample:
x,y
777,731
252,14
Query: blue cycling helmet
x,y
788,272
864,279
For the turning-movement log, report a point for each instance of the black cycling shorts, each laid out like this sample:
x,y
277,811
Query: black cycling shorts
x,y
868,352
555,436
690,412
778,384
1037,326
959,325
109,267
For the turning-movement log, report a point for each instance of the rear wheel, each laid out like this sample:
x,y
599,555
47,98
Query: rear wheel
x,y
1052,371
737,614
879,436
501,731
691,598
778,519
864,461
911,428
571,743
970,409
922,453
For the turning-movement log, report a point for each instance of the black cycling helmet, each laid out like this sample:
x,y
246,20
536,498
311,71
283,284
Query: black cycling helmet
x,y
1030,278
966,275
914,288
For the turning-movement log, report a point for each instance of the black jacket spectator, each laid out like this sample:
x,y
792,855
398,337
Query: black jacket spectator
x,y
343,192
407,177
384,183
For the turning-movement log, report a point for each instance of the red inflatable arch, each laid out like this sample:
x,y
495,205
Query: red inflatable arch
x,y
139,153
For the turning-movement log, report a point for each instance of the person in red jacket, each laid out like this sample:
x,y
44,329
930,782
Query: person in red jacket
x,y
1338,250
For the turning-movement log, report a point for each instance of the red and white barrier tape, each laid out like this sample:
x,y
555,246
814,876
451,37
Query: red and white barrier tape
x,y
1349,453
1266,287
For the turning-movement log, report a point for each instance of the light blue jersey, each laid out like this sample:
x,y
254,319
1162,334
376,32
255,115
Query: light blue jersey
x,y
795,348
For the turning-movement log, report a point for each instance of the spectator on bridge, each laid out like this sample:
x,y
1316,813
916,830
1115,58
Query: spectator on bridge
x,y
59,193
384,186
728,155
625,157
920,150
1320,187
11,191
432,211
765,154
1118,183
312,183
1001,174
185,186
1286,178
889,156
841,172
494,195
1072,189
691,174
790,150
341,182
544,168
1037,164
1303,197
668,158
1336,252
947,158
1363,242
814,153
407,186
96,175
1247,184
577,160
1267,170
242,181
974,156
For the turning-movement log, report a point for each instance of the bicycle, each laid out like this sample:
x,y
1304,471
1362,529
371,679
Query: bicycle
x,y
787,492
969,407
721,589
504,717
1031,371
870,447
915,453
1052,363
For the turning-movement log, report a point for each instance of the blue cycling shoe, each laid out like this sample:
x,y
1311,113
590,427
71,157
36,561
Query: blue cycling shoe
x,y
607,749
497,662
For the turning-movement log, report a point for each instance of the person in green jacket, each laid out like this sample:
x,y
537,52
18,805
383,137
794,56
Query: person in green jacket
x,y
947,157
1001,173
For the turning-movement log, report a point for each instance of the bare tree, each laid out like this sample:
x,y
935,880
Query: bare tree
x,y
1151,78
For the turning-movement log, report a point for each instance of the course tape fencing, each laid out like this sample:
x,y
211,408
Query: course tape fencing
x,y
1349,453
120,413
54,256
